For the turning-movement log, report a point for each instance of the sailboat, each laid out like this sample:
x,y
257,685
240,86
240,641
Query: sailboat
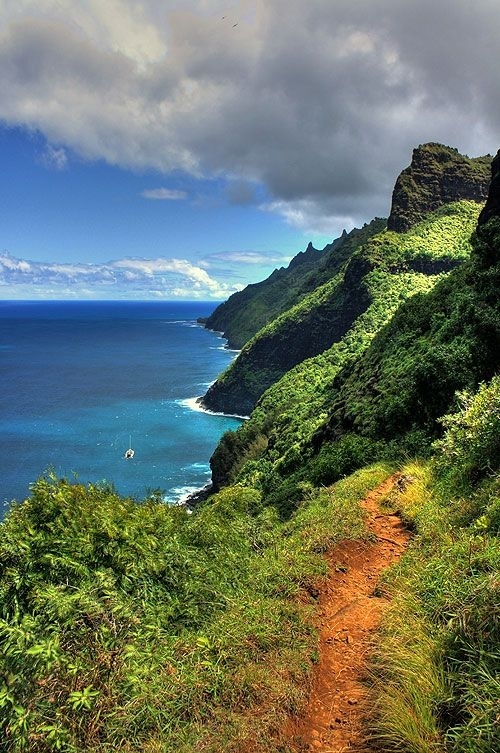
x,y
130,452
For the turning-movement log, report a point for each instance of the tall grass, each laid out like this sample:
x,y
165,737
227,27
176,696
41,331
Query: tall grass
x,y
436,684
127,627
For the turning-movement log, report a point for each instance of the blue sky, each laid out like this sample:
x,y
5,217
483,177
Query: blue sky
x,y
59,209
168,149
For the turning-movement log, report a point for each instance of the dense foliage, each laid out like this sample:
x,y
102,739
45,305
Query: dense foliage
x,y
325,315
436,679
435,345
293,421
132,627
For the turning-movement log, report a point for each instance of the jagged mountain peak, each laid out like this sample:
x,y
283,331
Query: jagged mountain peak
x,y
437,175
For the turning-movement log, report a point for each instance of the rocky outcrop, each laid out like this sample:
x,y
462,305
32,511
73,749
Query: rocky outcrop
x,y
437,175
492,206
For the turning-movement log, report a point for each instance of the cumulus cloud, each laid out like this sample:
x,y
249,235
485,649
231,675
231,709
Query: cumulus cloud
x,y
147,278
163,194
320,102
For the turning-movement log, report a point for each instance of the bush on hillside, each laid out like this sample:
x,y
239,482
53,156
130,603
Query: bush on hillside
x,y
470,448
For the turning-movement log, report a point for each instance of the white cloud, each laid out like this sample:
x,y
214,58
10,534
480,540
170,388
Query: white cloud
x,y
245,257
54,158
321,102
163,194
132,278
311,218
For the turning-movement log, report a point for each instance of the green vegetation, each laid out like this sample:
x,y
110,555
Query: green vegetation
x,y
326,314
282,433
140,627
131,627
436,677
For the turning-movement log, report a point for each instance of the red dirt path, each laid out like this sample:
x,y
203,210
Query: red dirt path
x,y
350,611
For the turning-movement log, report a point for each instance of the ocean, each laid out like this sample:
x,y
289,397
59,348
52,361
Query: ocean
x,y
81,380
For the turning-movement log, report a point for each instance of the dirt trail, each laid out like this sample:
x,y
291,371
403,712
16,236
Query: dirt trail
x,y
350,610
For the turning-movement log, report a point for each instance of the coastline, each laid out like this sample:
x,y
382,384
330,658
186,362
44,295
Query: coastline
x,y
196,404
193,498
190,499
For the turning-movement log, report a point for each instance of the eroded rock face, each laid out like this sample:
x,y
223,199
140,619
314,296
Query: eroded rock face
x,y
437,175
492,206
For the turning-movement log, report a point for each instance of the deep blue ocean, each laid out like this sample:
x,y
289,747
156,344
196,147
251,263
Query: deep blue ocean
x,y
79,380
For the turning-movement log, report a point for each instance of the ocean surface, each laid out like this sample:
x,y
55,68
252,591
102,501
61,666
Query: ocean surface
x,y
80,380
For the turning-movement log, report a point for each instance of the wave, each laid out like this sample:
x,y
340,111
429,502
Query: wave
x,y
193,403
181,495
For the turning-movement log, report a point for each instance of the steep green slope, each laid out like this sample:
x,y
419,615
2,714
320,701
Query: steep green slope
x,y
310,326
291,411
437,175
247,311
251,309
436,344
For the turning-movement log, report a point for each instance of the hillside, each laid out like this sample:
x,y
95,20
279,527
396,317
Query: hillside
x,y
306,313
321,317
360,400
379,274
250,310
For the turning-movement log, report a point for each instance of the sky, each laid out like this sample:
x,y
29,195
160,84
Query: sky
x,y
181,149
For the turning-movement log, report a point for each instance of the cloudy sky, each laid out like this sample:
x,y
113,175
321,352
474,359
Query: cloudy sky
x,y
183,148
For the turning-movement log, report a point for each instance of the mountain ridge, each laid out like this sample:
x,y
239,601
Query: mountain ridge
x,y
322,316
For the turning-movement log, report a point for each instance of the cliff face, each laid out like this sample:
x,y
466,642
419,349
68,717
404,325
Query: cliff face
x,y
325,305
385,385
301,311
437,175
381,274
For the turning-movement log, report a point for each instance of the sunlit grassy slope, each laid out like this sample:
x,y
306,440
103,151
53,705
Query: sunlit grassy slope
x,y
326,314
280,434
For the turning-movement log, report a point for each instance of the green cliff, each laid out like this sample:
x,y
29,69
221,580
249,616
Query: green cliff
x,y
389,269
314,303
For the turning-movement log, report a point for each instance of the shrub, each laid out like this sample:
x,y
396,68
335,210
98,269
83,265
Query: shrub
x,y
470,448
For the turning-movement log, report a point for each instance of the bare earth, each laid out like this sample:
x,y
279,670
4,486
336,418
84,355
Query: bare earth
x,y
350,610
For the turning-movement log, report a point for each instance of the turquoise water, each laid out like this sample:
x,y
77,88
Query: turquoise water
x,y
79,378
